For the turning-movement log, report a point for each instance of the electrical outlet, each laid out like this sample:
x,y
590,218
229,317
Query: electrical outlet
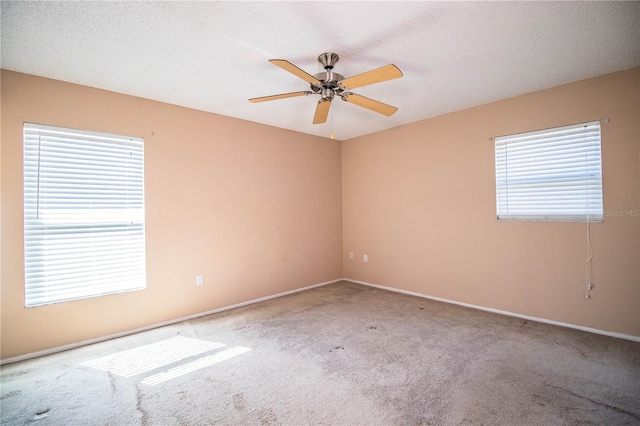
x,y
365,258
199,279
350,255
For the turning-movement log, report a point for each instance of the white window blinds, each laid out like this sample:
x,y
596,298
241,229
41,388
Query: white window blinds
x,y
550,175
83,214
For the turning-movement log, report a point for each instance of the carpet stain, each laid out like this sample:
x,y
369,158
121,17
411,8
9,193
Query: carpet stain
x,y
609,406
16,374
372,327
144,419
239,402
41,414
267,417
112,381
10,394
335,348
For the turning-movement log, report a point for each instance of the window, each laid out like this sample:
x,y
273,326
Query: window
x,y
550,175
83,214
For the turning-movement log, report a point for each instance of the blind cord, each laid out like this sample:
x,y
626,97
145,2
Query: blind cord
x,y
589,257
589,246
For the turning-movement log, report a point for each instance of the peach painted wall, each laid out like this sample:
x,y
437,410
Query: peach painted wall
x,y
254,208
420,201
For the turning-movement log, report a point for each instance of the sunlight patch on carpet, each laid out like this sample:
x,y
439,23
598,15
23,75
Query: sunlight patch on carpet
x,y
149,357
193,366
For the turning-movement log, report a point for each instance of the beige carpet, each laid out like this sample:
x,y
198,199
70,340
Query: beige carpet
x,y
338,354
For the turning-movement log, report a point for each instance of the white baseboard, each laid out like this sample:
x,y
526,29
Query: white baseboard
x,y
498,311
162,324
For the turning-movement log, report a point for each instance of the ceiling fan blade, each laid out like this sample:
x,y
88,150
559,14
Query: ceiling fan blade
x,y
388,72
322,111
288,66
281,96
365,102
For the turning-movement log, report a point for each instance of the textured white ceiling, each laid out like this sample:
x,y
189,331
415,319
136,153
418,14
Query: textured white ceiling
x,y
213,56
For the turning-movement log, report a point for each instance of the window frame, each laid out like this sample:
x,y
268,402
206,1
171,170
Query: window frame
x,y
541,179
84,214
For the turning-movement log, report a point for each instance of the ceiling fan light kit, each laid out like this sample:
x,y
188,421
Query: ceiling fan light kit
x,y
328,84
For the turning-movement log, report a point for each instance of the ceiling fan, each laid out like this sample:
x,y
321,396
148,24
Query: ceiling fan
x,y
328,84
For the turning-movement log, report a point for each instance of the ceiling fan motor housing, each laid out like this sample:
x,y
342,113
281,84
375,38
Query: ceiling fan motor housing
x,y
330,80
